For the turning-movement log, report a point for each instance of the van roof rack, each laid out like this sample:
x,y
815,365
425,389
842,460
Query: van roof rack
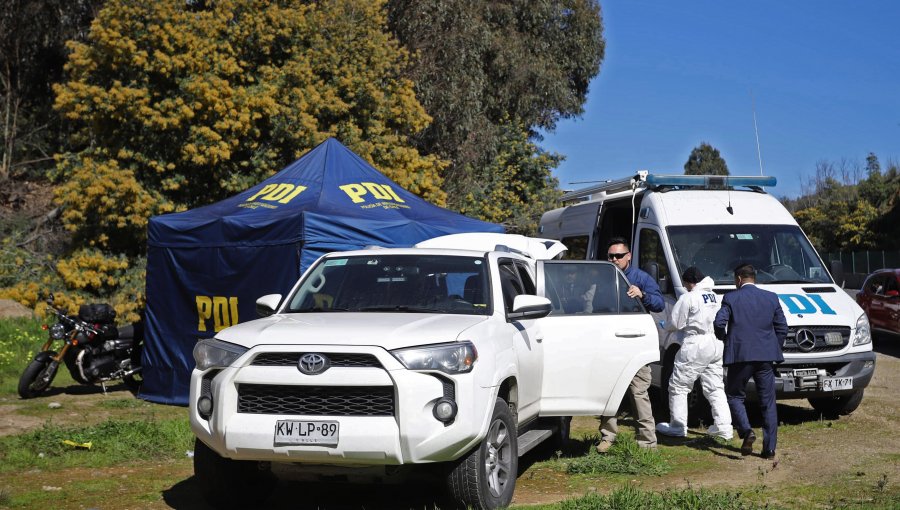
x,y
644,178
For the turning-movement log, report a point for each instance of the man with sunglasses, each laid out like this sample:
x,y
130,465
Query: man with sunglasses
x,y
643,287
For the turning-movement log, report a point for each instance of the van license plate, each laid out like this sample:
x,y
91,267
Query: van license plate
x,y
297,432
838,383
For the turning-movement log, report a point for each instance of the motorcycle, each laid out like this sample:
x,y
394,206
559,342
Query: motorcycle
x,y
94,350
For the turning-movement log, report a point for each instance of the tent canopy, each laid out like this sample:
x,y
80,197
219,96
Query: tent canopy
x,y
207,266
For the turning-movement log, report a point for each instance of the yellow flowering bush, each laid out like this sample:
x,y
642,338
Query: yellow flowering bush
x,y
179,104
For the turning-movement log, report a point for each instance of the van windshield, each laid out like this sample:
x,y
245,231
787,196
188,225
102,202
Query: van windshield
x,y
395,283
780,253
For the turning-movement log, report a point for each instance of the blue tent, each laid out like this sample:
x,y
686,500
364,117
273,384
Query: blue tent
x,y
206,267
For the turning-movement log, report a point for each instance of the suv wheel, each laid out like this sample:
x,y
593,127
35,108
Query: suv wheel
x,y
486,478
227,483
832,407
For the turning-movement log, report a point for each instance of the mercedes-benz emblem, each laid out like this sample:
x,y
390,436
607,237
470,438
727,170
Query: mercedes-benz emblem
x,y
806,340
313,363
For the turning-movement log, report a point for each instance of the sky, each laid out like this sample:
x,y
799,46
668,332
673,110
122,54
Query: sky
x,y
823,77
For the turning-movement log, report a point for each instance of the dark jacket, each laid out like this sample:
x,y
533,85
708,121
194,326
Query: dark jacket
x,y
756,327
652,299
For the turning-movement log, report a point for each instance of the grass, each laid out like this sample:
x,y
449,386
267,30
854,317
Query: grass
x,y
624,457
112,442
20,339
629,497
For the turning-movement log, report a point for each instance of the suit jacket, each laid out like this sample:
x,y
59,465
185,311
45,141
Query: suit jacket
x,y
752,325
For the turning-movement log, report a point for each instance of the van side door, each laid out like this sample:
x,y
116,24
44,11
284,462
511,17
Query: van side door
x,y
595,339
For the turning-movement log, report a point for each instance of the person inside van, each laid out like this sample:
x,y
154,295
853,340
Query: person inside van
x,y
642,287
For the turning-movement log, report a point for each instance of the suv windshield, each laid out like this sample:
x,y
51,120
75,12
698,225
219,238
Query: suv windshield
x,y
395,283
780,253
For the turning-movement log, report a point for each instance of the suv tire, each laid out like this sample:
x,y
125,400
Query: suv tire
x,y
227,483
486,478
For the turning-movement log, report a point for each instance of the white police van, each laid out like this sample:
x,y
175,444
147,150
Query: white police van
x,y
715,223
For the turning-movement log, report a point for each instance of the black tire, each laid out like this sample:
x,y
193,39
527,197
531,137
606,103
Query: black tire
x,y
227,483
133,382
486,478
29,384
832,407
560,440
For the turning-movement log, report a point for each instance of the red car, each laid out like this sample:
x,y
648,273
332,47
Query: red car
x,y
880,298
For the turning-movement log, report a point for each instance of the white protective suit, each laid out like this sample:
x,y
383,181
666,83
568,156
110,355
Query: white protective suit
x,y
700,356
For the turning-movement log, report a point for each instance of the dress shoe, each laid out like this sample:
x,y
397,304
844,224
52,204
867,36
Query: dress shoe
x,y
604,446
768,455
747,446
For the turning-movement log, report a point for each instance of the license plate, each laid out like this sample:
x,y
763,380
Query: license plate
x,y
298,432
803,372
837,383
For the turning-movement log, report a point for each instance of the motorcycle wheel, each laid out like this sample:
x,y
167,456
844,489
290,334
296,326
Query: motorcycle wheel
x,y
133,382
29,387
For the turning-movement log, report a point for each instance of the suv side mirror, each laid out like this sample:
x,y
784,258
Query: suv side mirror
x,y
836,268
266,305
526,306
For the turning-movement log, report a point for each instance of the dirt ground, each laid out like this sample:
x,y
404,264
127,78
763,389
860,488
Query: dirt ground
x,y
840,460
812,452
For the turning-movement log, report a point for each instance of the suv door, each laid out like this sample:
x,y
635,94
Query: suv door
x,y
595,339
526,336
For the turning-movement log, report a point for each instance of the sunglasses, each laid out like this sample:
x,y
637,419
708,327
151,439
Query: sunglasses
x,y
617,256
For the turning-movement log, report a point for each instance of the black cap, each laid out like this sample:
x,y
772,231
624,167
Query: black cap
x,y
692,275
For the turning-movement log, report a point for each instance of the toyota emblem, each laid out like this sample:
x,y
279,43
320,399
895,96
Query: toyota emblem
x,y
806,340
313,363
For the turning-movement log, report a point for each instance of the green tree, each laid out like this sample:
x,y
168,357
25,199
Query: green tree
x,y
705,160
517,186
875,187
180,104
483,65
32,52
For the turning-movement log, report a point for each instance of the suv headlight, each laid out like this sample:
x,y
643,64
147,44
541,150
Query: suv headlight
x,y
863,333
452,358
212,353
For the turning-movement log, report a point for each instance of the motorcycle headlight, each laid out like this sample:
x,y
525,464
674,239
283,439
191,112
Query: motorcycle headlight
x,y
863,333
57,331
452,358
212,353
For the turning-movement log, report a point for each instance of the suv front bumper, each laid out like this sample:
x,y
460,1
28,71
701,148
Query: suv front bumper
x,y
411,434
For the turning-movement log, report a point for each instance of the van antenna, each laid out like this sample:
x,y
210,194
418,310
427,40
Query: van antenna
x,y
756,131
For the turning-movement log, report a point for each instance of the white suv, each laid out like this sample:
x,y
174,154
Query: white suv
x,y
463,358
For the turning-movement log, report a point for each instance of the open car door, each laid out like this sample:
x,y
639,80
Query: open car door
x,y
595,339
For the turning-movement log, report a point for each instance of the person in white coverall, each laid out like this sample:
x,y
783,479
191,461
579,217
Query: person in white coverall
x,y
700,356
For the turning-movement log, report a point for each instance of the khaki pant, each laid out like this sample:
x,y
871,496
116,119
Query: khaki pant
x,y
640,408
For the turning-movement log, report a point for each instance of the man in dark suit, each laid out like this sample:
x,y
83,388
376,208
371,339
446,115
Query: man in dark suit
x,y
753,327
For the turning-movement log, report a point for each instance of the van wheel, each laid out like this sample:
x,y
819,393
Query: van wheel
x,y
832,407
486,478
227,483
